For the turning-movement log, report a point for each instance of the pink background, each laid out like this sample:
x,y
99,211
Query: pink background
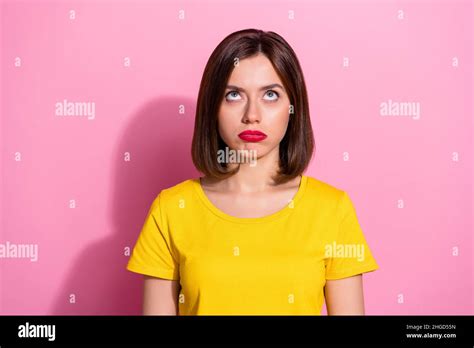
x,y
81,250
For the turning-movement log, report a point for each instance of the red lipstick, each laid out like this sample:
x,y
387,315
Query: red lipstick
x,y
252,135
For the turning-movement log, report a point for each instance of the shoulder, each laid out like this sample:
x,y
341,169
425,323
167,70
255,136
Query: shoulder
x,y
180,188
170,200
176,193
327,196
323,189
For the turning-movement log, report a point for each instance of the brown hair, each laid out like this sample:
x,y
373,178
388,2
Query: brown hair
x,y
296,147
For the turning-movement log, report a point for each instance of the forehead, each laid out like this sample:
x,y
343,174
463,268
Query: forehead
x,y
254,72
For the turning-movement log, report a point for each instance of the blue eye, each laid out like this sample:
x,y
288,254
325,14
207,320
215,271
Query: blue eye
x,y
236,94
231,92
273,92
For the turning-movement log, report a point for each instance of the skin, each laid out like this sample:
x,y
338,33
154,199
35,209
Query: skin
x,y
251,192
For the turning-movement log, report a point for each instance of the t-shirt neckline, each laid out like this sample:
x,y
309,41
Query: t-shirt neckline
x,y
196,183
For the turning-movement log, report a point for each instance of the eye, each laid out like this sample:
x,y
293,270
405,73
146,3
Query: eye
x,y
271,92
231,93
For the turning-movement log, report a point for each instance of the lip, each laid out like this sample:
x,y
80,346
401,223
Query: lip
x,y
252,135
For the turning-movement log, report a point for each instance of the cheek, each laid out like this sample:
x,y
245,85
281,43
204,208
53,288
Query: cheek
x,y
226,125
278,121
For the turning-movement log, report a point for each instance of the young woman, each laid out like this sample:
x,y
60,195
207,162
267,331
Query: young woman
x,y
254,235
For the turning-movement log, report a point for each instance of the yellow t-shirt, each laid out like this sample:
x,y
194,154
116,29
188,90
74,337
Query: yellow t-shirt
x,y
273,265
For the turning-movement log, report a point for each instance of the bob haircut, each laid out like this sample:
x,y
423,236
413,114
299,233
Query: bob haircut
x,y
296,147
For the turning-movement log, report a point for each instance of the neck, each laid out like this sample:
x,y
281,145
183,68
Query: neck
x,y
254,178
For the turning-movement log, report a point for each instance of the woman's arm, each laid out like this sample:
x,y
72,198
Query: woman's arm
x,y
345,296
160,296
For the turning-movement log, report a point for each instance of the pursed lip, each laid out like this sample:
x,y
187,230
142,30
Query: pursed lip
x,y
252,135
252,132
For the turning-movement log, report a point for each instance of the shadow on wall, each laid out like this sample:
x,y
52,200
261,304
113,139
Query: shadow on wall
x,y
159,139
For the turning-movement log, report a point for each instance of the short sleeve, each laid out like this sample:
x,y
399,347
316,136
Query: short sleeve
x,y
153,252
348,254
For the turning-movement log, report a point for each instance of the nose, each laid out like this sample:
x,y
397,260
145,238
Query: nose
x,y
252,114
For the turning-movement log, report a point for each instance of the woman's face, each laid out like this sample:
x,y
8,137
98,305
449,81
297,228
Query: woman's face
x,y
255,99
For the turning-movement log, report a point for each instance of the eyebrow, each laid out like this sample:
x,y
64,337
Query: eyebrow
x,y
273,85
